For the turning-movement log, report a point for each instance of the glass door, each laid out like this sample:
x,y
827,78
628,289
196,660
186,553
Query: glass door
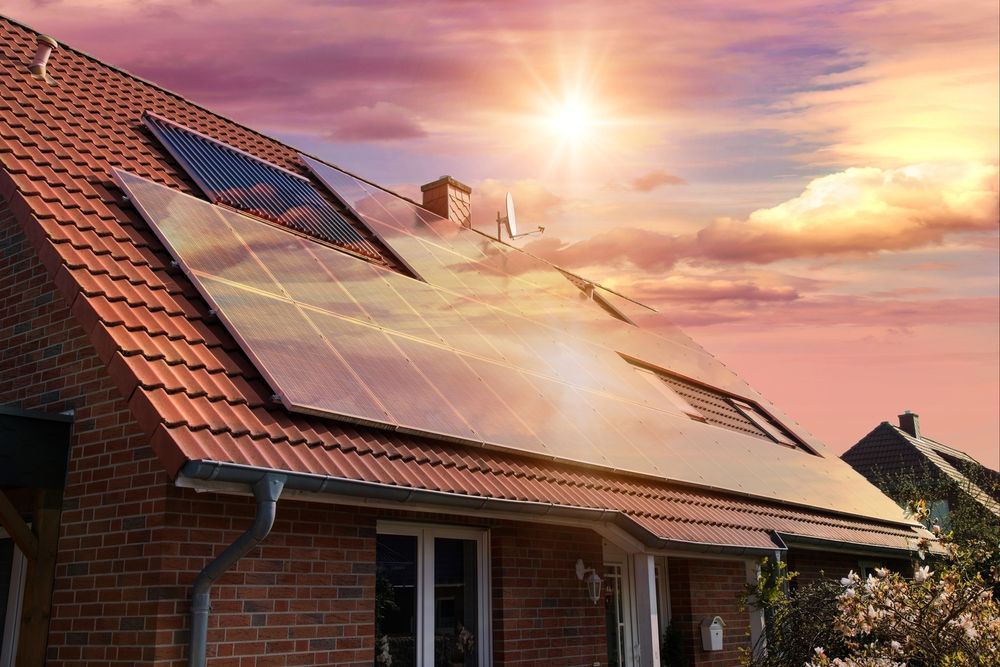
x,y
456,603
431,597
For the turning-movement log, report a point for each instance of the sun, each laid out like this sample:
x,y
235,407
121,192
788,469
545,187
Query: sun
x,y
572,119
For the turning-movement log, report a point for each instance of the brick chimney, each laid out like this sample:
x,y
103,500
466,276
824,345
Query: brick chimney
x,y
910,423
450,199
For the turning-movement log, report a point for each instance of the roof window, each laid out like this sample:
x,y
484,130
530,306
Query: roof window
x,y
244,182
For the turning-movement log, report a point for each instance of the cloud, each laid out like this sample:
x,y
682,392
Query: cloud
x,y
642,248
859,211
797,311
701,290
650,181
535,203
380,122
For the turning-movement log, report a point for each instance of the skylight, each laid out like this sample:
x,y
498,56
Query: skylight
x,y
244,182
709,405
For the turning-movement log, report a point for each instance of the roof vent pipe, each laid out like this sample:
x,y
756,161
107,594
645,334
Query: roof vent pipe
x,y
37,67
265,491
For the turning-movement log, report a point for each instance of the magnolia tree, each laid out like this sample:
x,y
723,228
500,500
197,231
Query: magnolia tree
x,y
943,616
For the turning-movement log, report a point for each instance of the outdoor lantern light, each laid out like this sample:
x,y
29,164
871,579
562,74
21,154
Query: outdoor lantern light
x,y
587,574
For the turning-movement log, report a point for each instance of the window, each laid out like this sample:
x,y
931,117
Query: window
x,y
706,404
431,596
249,184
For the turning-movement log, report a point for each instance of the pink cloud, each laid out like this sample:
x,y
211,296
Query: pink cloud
x,y
534,202
651,180
774,308
854,212
380,122
641,248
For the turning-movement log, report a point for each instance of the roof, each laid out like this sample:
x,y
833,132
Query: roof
x,y
191,388
889,449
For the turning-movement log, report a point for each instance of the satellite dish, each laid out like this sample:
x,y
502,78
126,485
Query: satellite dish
x,y
511,219
510,222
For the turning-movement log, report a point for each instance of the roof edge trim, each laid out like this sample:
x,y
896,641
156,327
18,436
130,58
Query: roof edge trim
x,y
215,471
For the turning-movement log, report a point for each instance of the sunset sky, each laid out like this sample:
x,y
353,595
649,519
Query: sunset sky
x,y
810,189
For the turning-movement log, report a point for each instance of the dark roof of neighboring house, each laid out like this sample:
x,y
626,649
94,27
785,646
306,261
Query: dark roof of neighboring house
x,y
889,450
204,405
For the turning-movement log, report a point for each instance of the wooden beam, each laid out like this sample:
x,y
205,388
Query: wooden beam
x,y
33,639
15,526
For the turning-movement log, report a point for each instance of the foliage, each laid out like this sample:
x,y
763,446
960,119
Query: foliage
x,y
967,526
930,620
944,616
794,624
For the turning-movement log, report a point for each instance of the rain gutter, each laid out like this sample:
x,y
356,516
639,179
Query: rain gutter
x,y
840,546
216,471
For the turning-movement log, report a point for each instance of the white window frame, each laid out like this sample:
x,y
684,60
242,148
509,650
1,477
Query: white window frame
x,y
15,603
426,534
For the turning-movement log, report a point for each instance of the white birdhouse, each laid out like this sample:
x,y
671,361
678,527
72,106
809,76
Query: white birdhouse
x,y
711,633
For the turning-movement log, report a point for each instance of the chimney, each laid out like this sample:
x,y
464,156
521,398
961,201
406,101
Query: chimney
x,y
910,423
449,199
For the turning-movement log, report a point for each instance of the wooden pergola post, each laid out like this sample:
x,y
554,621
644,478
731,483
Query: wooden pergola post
x,y
40,580
34,450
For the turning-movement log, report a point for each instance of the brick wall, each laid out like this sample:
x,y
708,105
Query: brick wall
x,y
103,609
701,588
304,597
541,612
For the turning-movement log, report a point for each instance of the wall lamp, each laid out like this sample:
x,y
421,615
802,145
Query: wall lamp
x,y
589,576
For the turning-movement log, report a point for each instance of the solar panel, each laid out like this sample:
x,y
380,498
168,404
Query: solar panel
x,y
456,258
341,337
245,182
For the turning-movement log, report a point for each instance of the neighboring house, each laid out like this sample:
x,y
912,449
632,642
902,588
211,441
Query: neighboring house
x,y
448,451
890,453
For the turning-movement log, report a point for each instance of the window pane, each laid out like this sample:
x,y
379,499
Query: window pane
x,y
396,600
456,603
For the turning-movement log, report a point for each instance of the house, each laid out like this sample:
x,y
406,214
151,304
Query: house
x,y
260,411
889,454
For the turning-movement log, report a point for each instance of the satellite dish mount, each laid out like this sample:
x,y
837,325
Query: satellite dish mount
x,y
510,222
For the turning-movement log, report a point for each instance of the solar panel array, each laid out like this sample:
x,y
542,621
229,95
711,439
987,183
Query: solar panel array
x,y
240,180
495,349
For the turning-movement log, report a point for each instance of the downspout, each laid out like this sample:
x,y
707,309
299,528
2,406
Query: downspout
x,y
266,492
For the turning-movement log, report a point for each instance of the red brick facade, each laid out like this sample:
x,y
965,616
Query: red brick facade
x,y
702,589
541,614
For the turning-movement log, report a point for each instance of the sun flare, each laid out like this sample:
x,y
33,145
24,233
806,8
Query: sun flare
x,y
572,119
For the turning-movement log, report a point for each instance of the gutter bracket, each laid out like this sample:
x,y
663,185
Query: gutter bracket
x,y
266,492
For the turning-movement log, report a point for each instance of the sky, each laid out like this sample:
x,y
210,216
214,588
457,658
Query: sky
x,y
810,189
